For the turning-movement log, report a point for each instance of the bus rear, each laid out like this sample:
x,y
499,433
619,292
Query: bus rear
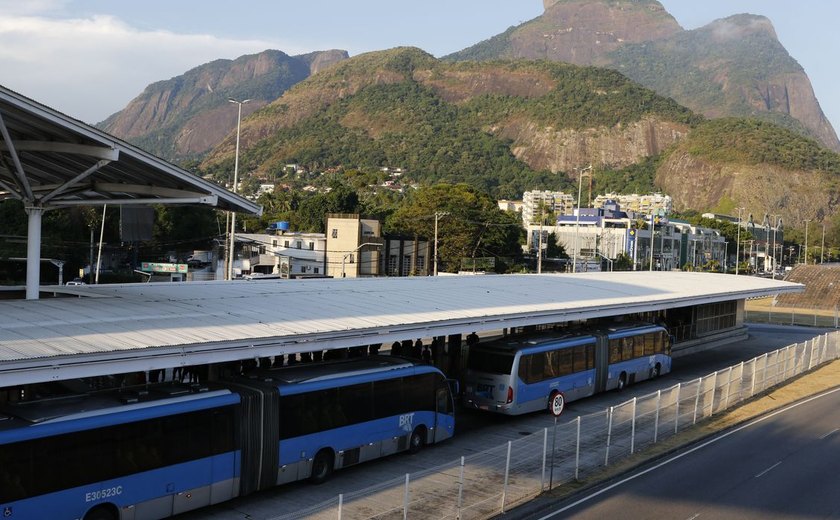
x,y
489,381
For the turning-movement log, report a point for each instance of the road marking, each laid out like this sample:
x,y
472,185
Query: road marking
x,y
835,430
693,517
681,455
766,471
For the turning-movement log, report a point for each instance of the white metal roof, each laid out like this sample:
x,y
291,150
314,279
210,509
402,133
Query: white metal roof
x,y
123,328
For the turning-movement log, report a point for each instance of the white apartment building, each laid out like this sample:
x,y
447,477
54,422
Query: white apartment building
x,y
553,201
289,254
675,243
655,203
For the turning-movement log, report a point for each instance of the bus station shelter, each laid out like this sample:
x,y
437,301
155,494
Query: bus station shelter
x,y
111,329
49,161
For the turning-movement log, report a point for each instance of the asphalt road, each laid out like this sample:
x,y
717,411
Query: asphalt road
x,y
783,465
479,431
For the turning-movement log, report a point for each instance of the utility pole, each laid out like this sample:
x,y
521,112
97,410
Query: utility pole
x,y
438,215
651,241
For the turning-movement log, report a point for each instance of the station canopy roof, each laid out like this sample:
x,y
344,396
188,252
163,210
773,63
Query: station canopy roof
x,y
51,160
108,329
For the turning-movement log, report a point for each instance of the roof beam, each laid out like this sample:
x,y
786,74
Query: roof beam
x,y
209,200
75,180
98,152
144,189
18,169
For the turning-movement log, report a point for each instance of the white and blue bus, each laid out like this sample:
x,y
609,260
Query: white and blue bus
x,y
168,448
517,375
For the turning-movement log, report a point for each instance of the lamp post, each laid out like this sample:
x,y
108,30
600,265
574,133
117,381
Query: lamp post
x,y
822,247
738,242
775,227
235,183
438,215
577,220
346,256
807,221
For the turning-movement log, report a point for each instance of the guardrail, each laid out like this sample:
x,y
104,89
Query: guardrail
x,y
492,482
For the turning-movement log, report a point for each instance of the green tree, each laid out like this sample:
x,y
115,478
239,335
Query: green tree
x,y
473,226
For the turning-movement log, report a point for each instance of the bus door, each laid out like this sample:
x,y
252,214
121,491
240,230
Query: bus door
x,y
445,408
602,363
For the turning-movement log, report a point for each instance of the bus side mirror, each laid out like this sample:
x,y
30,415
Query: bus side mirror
x,y
454,386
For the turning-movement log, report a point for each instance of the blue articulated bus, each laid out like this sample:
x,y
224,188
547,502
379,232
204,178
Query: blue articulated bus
x,y
170,448
527,374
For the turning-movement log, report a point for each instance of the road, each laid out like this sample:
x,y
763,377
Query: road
x,y
476,432
783,465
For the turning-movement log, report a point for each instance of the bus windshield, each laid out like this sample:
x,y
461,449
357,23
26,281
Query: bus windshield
x,y
491,362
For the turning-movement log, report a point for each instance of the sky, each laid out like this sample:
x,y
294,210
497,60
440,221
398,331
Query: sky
x,y
89,58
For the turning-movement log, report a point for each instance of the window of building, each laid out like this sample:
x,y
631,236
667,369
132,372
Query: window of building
x,y
298,244
392,265
285,243
335,233
420,264
406,267
317,270
312,246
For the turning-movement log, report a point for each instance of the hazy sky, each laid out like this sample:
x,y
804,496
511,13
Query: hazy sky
x,y
89,58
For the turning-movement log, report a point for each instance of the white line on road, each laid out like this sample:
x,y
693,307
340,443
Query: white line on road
x,y
693,517
835,430
683,454
766,471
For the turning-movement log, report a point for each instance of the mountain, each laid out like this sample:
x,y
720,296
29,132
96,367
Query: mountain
x,y
509,126
731,67
501,126
186,116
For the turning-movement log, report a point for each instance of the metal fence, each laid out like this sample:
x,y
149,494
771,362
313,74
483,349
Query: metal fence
x,y
492,482
792,315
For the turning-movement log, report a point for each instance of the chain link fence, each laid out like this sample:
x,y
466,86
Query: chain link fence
x,y
492,482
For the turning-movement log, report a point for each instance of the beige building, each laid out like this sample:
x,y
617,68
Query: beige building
x,y
354,246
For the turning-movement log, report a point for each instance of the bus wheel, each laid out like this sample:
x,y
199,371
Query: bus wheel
x,y
556,403
417,440
322,466
655,371
622,382
103,512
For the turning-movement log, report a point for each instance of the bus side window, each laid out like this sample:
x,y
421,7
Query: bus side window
x,y
615,351
579,358
626,349
537,369
638,346
565,361
650,343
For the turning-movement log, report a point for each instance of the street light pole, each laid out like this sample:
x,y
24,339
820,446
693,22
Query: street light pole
x,y
773,261
577,220
438,215
808,221
738,242
344,258
235,183
822,247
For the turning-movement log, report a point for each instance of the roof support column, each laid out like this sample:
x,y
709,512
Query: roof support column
x,y
33,252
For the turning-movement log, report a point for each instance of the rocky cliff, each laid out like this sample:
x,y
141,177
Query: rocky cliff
x,y
731,67
186,116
